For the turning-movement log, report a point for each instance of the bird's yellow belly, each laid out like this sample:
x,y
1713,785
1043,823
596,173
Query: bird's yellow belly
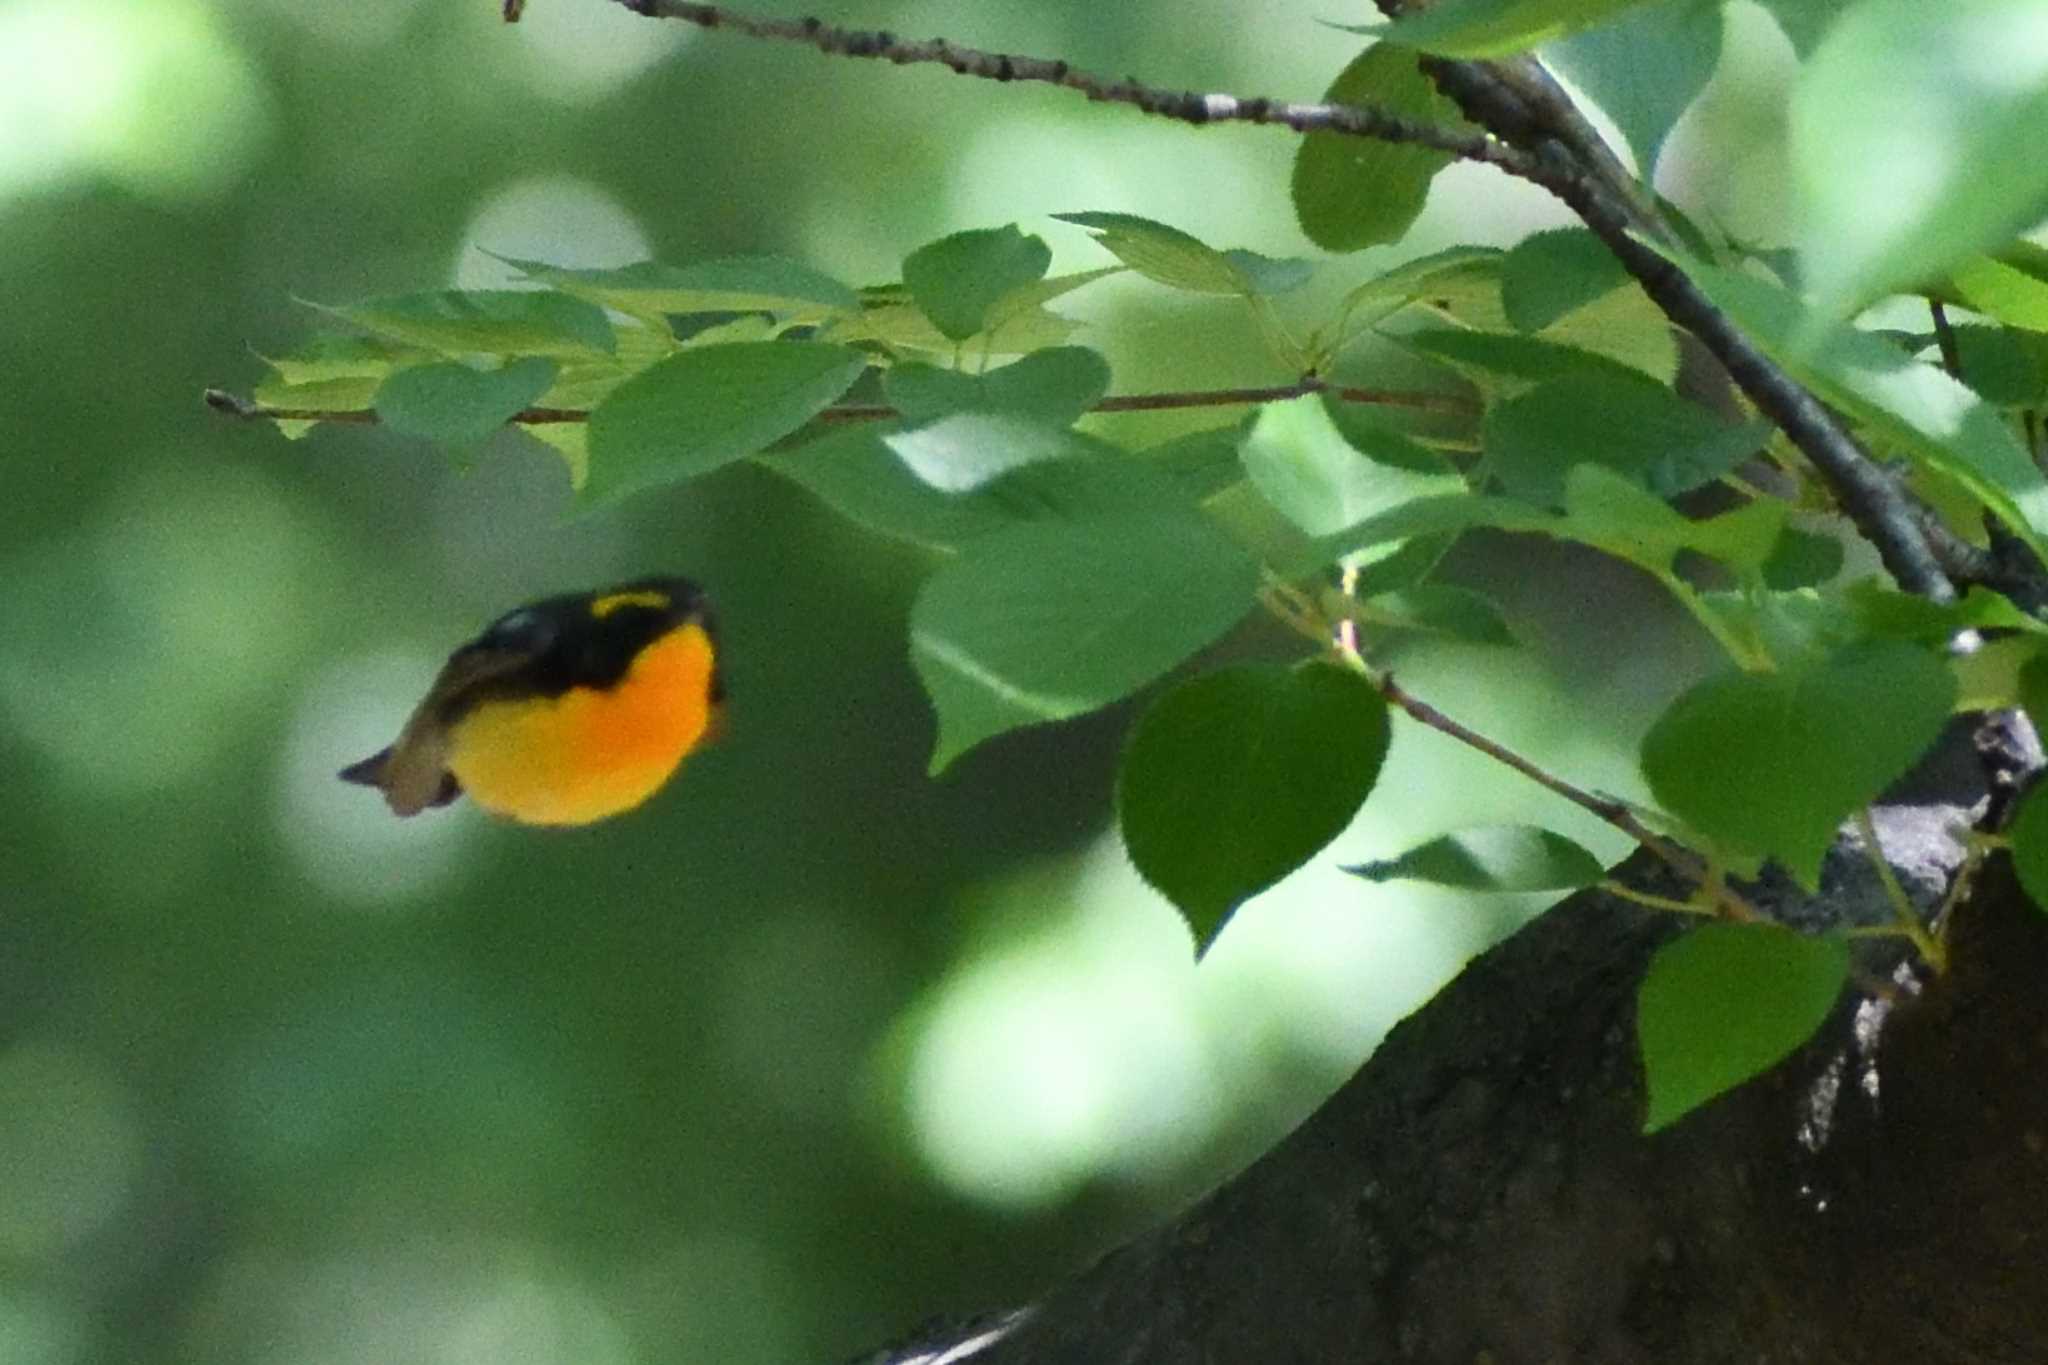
x,y
587,754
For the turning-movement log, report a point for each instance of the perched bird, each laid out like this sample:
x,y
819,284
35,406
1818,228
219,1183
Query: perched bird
x,y
564,711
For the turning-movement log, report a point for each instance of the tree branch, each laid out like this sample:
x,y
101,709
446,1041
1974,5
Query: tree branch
x,y
1536,134
1189,106
235,405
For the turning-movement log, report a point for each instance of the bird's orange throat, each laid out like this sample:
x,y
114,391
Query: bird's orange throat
x,y
589,753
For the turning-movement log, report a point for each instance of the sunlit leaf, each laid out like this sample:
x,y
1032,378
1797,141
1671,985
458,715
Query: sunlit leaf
x,y
1893,200
1496,28
731,284
962,451
1163,254
463,322
1303,466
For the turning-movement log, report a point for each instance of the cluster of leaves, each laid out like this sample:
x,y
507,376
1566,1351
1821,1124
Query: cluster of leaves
x,y
1069,573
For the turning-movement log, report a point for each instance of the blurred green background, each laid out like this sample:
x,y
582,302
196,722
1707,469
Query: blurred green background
x,y
812,1046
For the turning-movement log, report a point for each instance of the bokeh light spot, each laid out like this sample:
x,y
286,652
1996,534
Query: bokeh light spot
x,y
342,836
134,651
149,92
1072,1055
557,219
582,52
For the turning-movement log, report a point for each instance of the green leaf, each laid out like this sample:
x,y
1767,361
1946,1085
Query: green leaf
x,y
958,279
1623,325
512,322
2010,285
571,441
1805,22
960,452
1771,764
1355,192
1053,386
349,393
1801,559
1726,1003
1435,609
1403,566
457,405
1450,279
1234,779
1622,421
708,406
2006,366
2032,691
904,329
1549,274
1497,28
1893,200
731,284
1933,418
1437,514
1051,619
854,472
331,355
1201,463
1495,858
1269,274
1163,254
1489,357
1645,69
1303,466
1616,515
2029,835
583,384
1991,678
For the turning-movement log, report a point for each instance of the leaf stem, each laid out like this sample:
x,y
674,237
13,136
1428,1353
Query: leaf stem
x,y
1679,907
1907,918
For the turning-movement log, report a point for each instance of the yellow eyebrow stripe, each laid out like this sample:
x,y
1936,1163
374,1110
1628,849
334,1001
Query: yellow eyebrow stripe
x,y
605,606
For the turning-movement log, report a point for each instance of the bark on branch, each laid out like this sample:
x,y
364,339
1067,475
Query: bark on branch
x,y
1480,1191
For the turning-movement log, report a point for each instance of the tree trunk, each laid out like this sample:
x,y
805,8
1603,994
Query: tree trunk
x,y
1481,1192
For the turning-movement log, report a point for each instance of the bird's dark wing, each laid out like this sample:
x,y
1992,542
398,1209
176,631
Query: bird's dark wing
x,y
414,772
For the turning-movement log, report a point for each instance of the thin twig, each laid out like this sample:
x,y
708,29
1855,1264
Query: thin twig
x,y
1945,339
234,405
1614,812
1622,891
1189,106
